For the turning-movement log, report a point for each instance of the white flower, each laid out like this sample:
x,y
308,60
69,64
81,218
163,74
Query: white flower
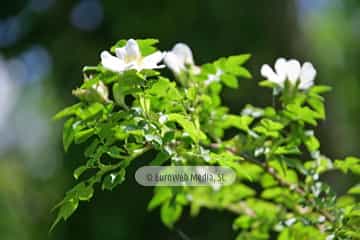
x,y
129,57
290,70
179,58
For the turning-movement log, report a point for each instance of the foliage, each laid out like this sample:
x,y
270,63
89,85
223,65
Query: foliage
x,y
274,152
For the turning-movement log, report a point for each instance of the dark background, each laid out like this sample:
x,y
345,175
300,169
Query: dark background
x,y
45,43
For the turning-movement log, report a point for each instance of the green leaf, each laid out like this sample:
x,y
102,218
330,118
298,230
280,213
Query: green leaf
x,y
113,179
84,192
234,193
66,210
283,150
164,88
79,171
244,170
119,95
116,152
98,68
320,89
239,59
68,133
67,111
350,163
312,143
129,83
90,82
196,134
162,194
241,72
240,122
90,111
149,73
243,222
318,105
90,149
305,114
268,181
160,159
296,164
272,125
145,45
268,84
285,235
229,80
354,190
83,135
271,193
269,128
231,66
170,213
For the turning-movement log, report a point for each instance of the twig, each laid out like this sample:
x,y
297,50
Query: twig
x,y
182,234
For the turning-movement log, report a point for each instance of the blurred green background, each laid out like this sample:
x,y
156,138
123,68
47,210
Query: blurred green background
x,y
45,43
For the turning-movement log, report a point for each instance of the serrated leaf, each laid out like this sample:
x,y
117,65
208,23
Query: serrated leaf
x,y
66,210
189,127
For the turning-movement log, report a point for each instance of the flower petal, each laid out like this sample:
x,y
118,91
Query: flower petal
x,y
152,60
173,62
281,68
293,70
120,53
307,75
111,63
184,53
132,50
269,74
305,85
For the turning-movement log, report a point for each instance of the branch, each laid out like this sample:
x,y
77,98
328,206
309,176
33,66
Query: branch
x,y
282,182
